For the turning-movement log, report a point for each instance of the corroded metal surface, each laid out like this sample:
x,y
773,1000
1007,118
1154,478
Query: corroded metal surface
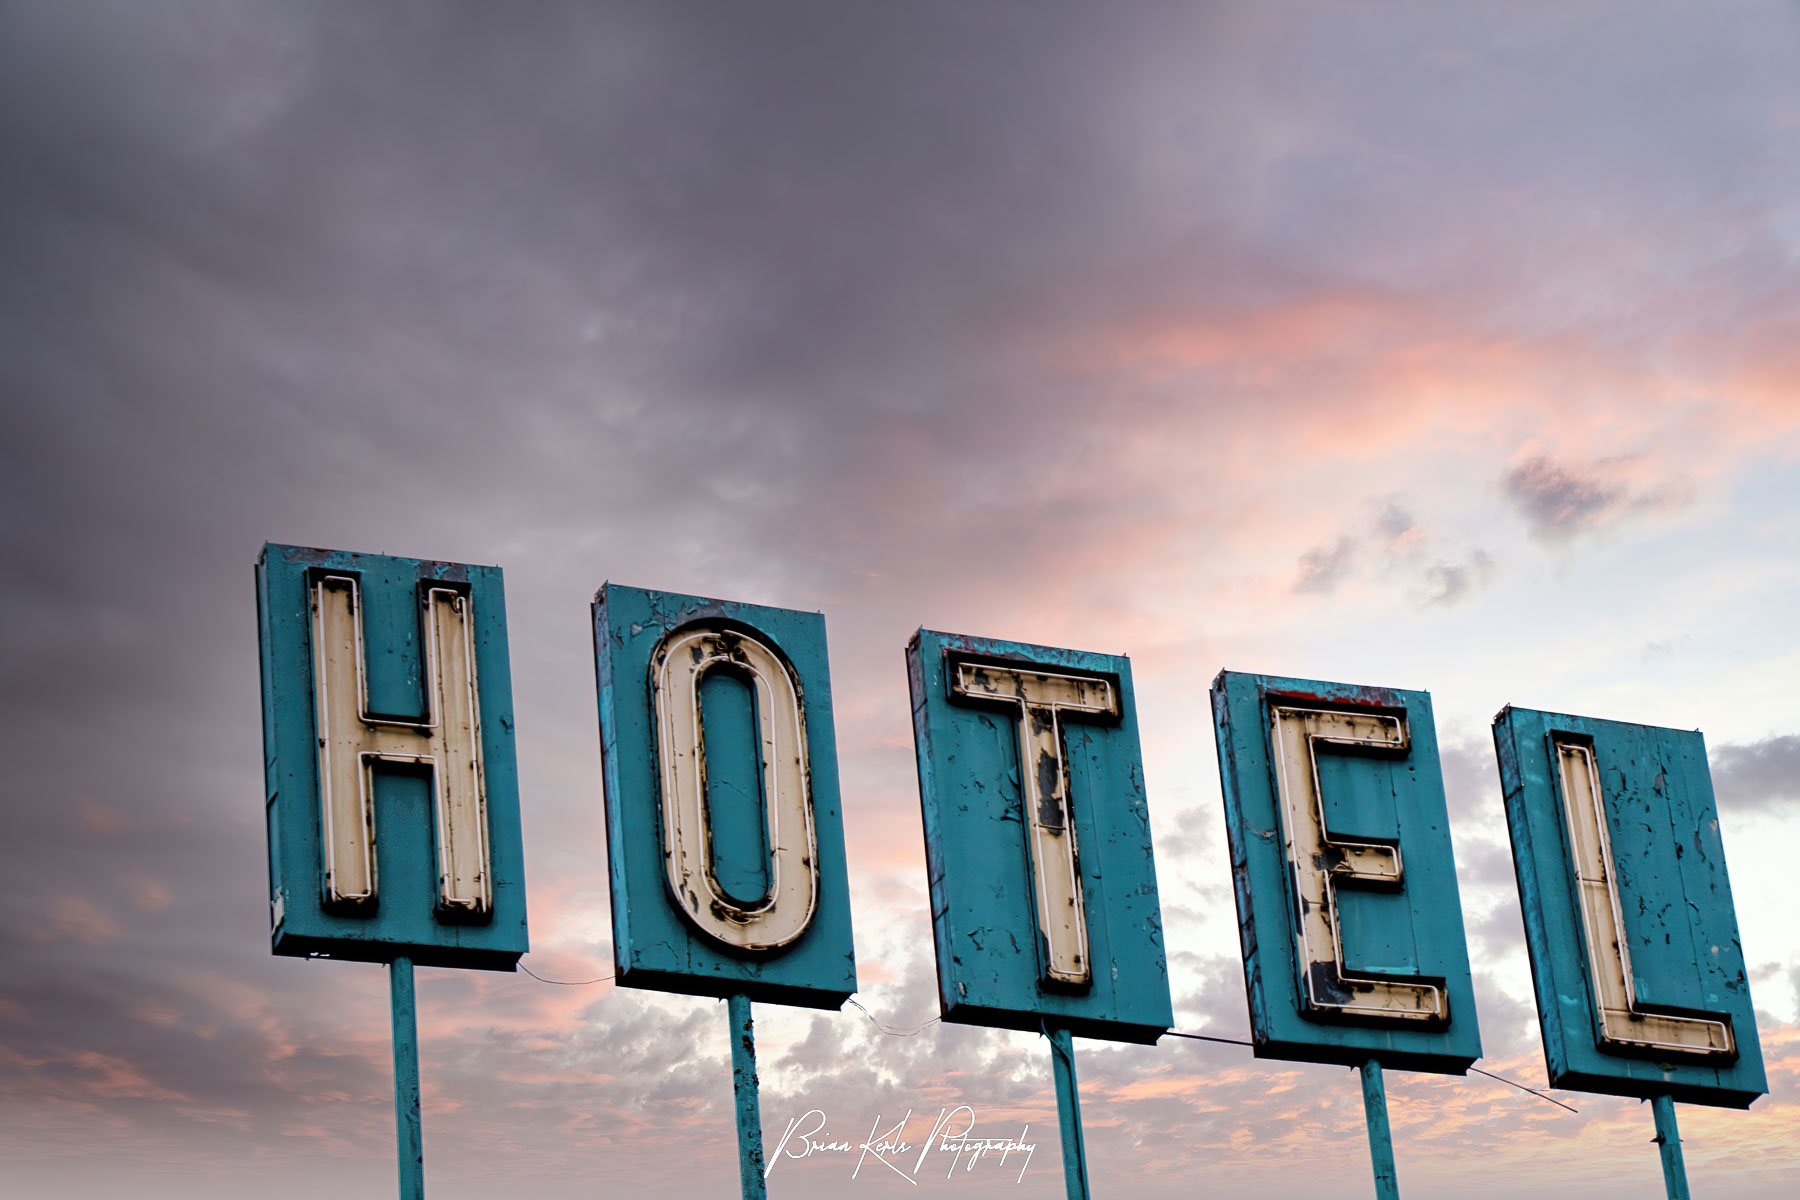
x,y
1329,789
725,834
1037,838
1321,862
387,709
1625,1021
1639,975
745,1091
1039,701
678,665
353,739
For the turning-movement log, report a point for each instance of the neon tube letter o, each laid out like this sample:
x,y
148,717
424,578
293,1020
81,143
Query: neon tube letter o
x,y
680,663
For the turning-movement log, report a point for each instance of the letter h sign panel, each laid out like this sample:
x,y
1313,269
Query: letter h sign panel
x,y
1346,882
1037,838
393,804
1640,979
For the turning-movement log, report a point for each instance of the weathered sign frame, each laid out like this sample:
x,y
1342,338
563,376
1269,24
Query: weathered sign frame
x,y
1286,753
1273,976
1615,838
677,926
399,668
1044,905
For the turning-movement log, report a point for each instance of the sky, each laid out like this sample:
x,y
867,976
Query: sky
x,y
1452,347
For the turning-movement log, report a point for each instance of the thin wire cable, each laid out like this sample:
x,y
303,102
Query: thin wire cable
x,y
1530,1091
1207,1037
894,1032
1197,1037
563,982
1533,1091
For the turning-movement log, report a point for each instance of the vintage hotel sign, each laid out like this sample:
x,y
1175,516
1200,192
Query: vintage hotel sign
x,y
391,795
1345,878
393,800
1641,986
724,832
394,837
1037,838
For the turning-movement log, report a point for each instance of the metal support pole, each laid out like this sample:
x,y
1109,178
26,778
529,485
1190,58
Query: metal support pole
x,y
1668,1140
744,1086
1068,1111
1381,1139
408,1134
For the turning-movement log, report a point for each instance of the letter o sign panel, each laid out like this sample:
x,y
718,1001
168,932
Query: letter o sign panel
x,y
724,828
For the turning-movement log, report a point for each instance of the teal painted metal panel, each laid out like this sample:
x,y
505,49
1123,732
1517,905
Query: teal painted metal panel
x,y
746,1089
1401,935
1674,900
1668,1143
1381,1136
657,941
985,916
406,917
1068,1113
409,1126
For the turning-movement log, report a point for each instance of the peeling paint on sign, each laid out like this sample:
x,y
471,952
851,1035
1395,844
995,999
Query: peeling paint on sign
x,y
725,837
1344,876
392,794
1037,838
1640,979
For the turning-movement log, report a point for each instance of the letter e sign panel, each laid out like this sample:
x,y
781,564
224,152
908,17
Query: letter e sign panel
x,y
1640,979
1037,838
724,830
393,796
1345,878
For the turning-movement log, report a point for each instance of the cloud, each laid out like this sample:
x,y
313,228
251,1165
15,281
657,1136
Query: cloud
x,y
1561,501
1324,567
1395,523
1556,502
1398,548
1448,581
82,919
1757,776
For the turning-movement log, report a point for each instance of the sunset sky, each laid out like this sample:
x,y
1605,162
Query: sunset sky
x,y
1452,347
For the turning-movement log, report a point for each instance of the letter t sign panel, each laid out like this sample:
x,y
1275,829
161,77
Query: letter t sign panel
x,y
1037,838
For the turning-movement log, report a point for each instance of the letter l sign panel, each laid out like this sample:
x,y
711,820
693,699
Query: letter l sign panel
x,y
1640,979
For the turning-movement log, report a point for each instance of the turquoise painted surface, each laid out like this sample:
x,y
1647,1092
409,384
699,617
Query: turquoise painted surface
x,y
1674,894
984,918
1668,1144
1068,1113
653,944
734,802
1381,1135
746,1088
406,922
1416,931
409,1128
